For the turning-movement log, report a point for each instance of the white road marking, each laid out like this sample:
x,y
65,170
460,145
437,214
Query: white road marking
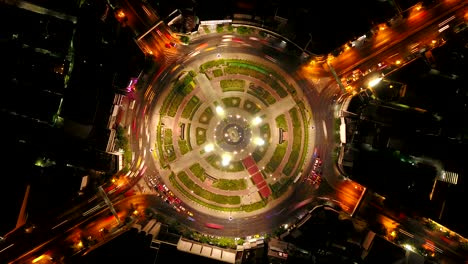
x,y
324,129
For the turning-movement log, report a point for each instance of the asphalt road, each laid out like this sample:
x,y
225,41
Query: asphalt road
x,y
397,39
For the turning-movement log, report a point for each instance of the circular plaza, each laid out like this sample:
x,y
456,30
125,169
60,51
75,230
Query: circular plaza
x,y
231,134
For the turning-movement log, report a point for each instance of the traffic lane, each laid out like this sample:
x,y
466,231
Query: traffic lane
x,y
413,230
153,44
39,234
409,47
137,16
322,105
427,28
30,236
71,240
234,226
25,244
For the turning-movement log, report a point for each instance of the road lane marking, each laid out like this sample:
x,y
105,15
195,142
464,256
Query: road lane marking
x,y
59,224
6,248
324,129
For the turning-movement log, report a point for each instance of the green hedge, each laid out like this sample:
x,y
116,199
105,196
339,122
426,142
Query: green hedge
x,y
198,190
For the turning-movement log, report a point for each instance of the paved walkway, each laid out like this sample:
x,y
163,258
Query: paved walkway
x,y
257,176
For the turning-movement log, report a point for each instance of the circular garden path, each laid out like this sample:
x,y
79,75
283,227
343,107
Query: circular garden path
x,y
232,134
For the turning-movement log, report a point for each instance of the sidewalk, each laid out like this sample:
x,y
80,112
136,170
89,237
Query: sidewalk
x,y
121,119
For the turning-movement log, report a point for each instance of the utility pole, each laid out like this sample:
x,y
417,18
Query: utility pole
x,y
308,42
22,217
397,7
338,80
109,203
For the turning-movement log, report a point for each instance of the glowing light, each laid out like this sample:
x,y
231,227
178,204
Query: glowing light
x,y
408,247
209,148
374,82
121,14
257,120
38,259
259,141
219,110
226,159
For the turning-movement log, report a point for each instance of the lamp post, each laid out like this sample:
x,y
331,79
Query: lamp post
x,y
396,6
308,42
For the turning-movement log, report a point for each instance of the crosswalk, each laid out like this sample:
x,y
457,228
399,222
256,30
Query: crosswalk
x,y
449,177
171,55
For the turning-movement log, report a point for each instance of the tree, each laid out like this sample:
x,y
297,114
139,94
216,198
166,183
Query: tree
x,y
184,39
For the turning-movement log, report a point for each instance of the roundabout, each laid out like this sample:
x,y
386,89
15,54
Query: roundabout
x,y
230,135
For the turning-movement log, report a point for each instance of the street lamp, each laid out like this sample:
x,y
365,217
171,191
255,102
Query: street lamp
x,y
308,42
374,82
